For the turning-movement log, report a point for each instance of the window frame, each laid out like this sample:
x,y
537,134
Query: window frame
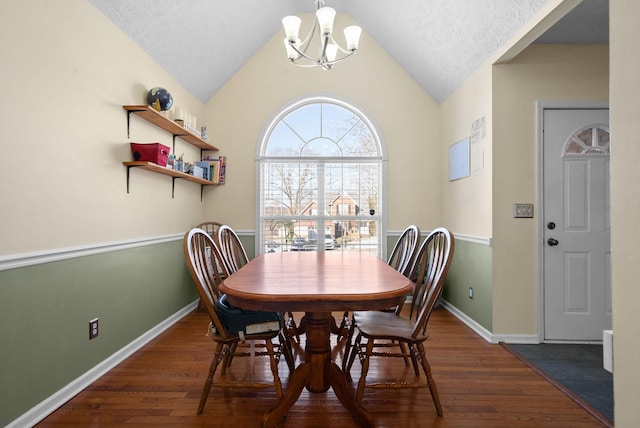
x,y
381,160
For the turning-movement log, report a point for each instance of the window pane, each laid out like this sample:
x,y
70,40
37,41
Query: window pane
x,y
305,121
358,141
353,182
350,236
321,129
284,142
588,141
288,188
321,147
336,121
320,203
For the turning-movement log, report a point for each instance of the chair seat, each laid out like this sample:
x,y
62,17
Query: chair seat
x,y
238,321
386,325
216,336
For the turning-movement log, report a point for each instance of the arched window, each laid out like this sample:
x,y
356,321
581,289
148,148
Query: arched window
x,y
321,172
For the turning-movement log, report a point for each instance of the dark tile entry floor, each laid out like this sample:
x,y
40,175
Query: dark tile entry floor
x,y
577,367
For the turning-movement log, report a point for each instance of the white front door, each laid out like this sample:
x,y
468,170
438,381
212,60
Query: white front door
x,y
576,221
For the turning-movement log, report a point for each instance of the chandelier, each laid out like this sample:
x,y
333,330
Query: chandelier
x,y
327,53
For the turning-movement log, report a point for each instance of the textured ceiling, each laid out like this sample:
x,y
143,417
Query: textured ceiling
x,y
440,43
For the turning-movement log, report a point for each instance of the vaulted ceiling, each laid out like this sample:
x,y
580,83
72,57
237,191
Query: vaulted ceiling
x,y
440,43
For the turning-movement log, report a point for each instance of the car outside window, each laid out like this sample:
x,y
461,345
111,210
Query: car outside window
x,y
321,173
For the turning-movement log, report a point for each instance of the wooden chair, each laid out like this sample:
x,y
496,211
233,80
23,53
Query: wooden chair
x,y
401,259
235,257
382,329
232,250
404,251
211,227
201,254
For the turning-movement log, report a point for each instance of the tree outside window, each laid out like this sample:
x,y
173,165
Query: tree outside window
x,y
321,173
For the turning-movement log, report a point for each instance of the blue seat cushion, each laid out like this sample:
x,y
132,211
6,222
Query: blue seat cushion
x,y
236,320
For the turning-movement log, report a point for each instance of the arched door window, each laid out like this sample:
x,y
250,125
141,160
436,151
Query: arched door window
x,y
590,140
321,174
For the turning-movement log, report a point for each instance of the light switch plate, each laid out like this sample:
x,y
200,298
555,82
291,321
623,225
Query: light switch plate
x,y
522,210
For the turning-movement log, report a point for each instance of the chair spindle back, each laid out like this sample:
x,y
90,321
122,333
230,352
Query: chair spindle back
x,y
430,271
232,250
404,251
203,256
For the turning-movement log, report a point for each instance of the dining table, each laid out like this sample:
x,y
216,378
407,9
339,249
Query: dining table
x,y
317,283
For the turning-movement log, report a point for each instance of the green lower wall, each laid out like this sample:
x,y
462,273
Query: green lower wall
x,y
45,312
249,244
471,267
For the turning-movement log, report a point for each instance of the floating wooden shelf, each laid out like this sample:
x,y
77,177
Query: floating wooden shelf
x,y
150,166
151,115
156,118
153,167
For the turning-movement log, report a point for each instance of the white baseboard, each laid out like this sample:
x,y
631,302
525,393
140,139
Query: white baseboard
x,y
480,330
486,334
49,405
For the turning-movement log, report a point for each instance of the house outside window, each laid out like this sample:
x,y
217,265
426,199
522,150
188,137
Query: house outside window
x,y
321,170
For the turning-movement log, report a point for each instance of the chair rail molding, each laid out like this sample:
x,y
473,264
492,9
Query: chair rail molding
x,y
13,261
484,240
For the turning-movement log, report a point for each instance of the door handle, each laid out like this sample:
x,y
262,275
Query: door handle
x,y
552,242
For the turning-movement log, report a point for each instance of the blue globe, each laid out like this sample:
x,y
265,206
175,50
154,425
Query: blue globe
x,y
160,99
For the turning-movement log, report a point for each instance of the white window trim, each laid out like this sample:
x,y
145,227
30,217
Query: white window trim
x,y
383,159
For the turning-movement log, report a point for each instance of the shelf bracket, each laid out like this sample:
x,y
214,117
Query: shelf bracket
x,y
129,113
173,187
204,150
174,142
201,192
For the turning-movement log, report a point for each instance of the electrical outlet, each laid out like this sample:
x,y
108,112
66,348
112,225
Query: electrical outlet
x,y
522,210
93,328
471,292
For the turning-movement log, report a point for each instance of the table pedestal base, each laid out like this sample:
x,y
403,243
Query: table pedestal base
x,y
318,373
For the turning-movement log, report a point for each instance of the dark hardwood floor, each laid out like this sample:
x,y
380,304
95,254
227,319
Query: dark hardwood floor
x,y
480,385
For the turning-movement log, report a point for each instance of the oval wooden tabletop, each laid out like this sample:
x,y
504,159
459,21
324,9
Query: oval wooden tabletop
x,y
316,281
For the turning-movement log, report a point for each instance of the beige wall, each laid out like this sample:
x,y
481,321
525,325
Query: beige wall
x,y
466,203
625,206
540,73
66,72
406,117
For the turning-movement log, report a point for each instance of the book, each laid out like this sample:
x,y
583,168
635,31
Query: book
x,y
215,171
217,168
205,169
223,168
262,327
